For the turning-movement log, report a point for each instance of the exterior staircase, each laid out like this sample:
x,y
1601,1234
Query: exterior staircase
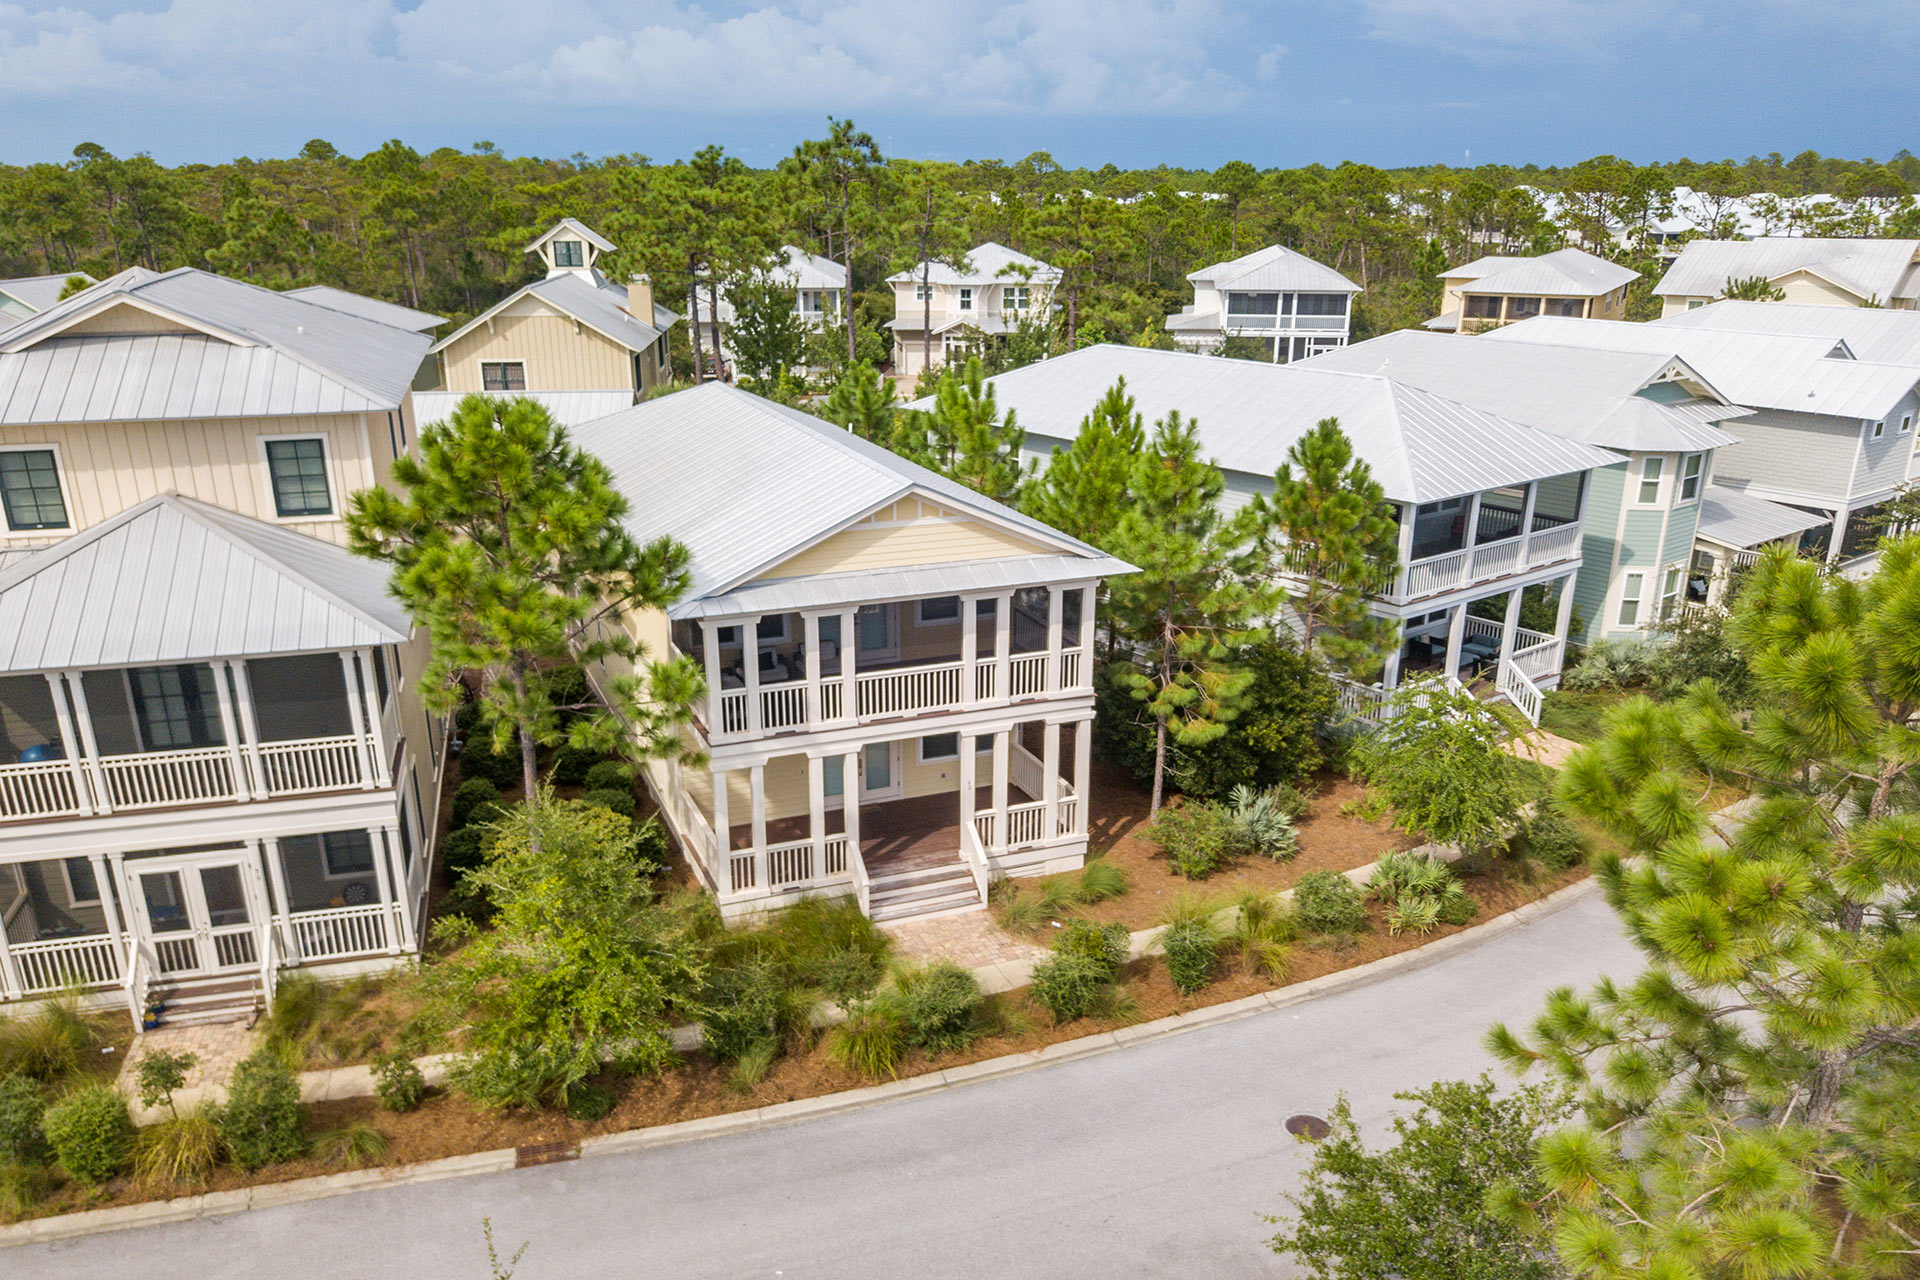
x,y
220,998
922,891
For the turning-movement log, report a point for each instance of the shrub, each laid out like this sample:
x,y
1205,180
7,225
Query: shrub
x,y
180,1151
1196,836
569,692
464,850
1328,902
570,765
938,1005
1104,944
743,1009
501,768
397,1081
353,1146
466,718
1191,948
751,1067
650,846
1261,930
22,1186
620,802
22,1104
872,1038
91,1133
1259,823
260,1120
49,1043
159,1073
1417,890
609,775
847,973
469,797
1550,838
1458,908
1100,881
588,1102
1070,984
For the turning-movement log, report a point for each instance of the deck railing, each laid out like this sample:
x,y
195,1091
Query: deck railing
x,y
782,706
1029,674
888,693
1026,823
1520,691
314,764
789,864
1451,570
340,931
93,960
162,779
44,789
974,854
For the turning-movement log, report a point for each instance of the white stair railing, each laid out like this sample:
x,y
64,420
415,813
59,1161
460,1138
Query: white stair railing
x,y
1522,692
975,856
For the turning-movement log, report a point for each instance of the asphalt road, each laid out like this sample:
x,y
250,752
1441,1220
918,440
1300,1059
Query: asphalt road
x,y
1158,1160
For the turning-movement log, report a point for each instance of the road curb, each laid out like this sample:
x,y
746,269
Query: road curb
x,y
219,1203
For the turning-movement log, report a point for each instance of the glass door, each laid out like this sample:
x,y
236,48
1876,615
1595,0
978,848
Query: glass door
x,y
200,917
879,774
169,917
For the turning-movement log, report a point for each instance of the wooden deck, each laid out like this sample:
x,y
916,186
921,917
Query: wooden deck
x,y
895,835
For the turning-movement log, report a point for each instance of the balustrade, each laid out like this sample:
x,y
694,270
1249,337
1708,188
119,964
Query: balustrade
x,y
169,779
339,931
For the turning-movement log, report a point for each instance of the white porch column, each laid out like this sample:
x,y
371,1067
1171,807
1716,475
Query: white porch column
x,y
1564,618
817,811
1509,629
849,646
757,790
9,979
1526,524
403,917
810,644
1089,598
381,749
283,906
1054,597
1002,760
1082,776
850,802
710,659
384,839
750,668
249,724
1409,513
722,832
69,744
102,797
103,880
230,730
1003,646
358,720
969,650
1473,539
969,777
1456,632
1390,669
1050,777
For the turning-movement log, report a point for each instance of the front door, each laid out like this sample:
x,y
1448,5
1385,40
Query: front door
x,y
200,915
879,774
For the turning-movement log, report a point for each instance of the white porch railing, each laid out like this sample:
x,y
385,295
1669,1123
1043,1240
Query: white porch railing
x,y
339,931
45,789
974,854
1070,668
1540,660
783,706
169,779
1029,674
983,829
1520,691
886,693
1548,545
160,779
733,711
1026,823
1359,701
833,856
89,961
1435,574
314,764
789,864
862,883
271,958
1451,570
138,983
1498,559
742,870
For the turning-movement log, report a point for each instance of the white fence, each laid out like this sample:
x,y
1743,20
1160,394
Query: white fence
x,y
315,764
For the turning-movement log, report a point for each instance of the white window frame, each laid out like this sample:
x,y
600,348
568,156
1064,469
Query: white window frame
x,y
271,510
1877,430
1637,580
576,249
59,477
326,865
480,367
1657,463
785,634
73,898
1671,586
1016,297
1694,304
1906,423
922,292
920,618
966,299
1698,479
982,746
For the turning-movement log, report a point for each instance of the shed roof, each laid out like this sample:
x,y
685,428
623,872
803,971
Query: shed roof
x,y
1275,268
355,304
1868,268
173,579
988,263
1737,519
1871,333
1564,273
1581,394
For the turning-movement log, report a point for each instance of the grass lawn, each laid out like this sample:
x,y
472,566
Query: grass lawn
x,y
1575,714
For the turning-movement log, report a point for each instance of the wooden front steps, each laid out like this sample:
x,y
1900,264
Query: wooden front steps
x,y
919,891
219,998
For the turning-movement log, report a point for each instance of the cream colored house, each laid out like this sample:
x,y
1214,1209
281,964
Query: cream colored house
x,y
899,671
1298,307
1492,291
1807,269
213,765
994,293
572,330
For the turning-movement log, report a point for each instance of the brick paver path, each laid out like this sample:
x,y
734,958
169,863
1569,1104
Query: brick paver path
x,y
968,938
219,1046
1544,748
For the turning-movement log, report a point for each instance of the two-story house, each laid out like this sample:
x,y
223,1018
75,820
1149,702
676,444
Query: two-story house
x,y
572,330
1810,270
899,671
1659,418
1296,306
213,763
1490,510
819,288
1496,290
941,310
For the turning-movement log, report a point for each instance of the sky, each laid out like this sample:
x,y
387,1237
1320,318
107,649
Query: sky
x,y
1190,83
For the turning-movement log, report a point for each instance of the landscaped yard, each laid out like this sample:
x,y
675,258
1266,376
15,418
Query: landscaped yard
x,y
1575,714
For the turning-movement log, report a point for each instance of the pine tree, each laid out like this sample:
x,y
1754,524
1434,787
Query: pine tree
x,y
1752,1096
965,438
1083,488
1194,603
862,402
1328,530
506,543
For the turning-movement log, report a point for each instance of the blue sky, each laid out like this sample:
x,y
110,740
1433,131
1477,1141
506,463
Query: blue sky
x,y
1135,82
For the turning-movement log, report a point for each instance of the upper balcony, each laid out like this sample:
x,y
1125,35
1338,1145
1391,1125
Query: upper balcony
x,y
1498,533
905,658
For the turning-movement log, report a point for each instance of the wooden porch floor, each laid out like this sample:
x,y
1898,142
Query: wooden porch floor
x,y
895,835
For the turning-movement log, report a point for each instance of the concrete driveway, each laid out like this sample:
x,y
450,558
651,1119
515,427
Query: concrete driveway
x,y
1157,1160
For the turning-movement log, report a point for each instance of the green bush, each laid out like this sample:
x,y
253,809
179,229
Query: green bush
x,y
571,765
1550,838
50,1042
650,845
465,849
466,719
501,768
397,1081
939,1005
22,1104
872,1038
1328,902
571,695
1259,823
260,1120
470,796
1458,908
91,1133
1191,948
179,1151
160,1072
847,973
609,775
620,802
1100,881
742,1009
588,1102
22,1187
1104,944
1070,984
1197,837
1421,892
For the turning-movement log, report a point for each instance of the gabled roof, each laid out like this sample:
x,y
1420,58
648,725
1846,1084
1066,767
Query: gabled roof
x,y
1275,268
37,293
1871,333
1421,446
799,269
587,297
354,304
568,408
244,351
746,484
1564,273
576,227
1759,370
1866,268
1736,519
1591,396
173,579
988,263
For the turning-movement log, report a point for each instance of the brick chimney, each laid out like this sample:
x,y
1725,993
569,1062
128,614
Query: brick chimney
x,y
640,298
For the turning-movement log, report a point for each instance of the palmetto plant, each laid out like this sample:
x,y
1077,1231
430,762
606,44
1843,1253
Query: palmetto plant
x,y
1261,823
1417,890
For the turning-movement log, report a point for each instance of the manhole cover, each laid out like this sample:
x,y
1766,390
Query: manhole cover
x,y
1308,1128
538,1153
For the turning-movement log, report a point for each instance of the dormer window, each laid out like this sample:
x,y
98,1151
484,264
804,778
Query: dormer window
x,y
569,253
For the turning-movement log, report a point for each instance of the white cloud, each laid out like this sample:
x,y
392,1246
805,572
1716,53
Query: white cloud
x,y
1502,28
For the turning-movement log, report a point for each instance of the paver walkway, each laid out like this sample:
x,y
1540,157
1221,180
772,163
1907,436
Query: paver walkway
x,y
1544,748
218,1046
969,939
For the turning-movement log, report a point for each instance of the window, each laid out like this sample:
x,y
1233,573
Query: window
x,y
1906,423
772,627
1630,590
922,292
1019,297
966,299
1253,304
1481,306
174,707
30,487
1694,304
1690,469
1650,468
298,470
1321,304
936,612
506,375
1670,592
936,747
82,888
1575,307
568,253
1879,429
1521,308
347,853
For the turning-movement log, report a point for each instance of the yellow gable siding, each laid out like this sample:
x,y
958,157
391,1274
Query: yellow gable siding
x,y
893,544
126,318
1807,288
559,354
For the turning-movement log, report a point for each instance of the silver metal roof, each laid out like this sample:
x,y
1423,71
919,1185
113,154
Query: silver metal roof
x,y
1421,446
595,302
784,595
40,292
578,228
746,483
1581,394
1759,370
568,408
1564,273
1879,334
1868,268
1275,268
1737,519
248,347
354,304
988,263
173,579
